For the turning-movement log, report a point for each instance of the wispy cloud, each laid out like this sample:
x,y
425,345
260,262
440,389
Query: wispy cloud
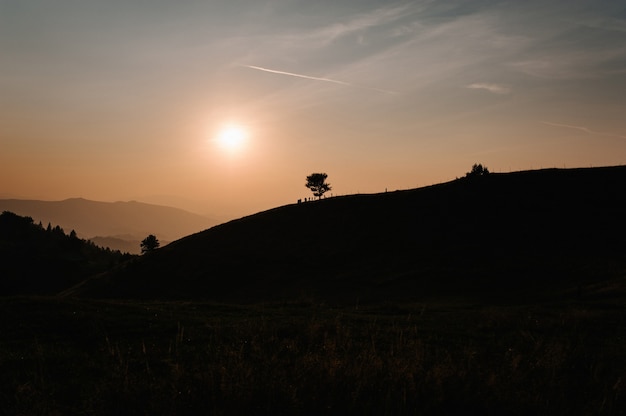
x,y
492,88
334,81
604,23
573,63
364,21
369,48
584,129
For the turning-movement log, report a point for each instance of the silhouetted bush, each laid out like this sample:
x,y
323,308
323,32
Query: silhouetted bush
x,y
477,170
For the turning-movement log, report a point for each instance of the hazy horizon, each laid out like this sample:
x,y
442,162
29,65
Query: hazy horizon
x,y
120,100
173,201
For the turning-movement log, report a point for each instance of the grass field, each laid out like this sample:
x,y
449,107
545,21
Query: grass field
x,y
65,356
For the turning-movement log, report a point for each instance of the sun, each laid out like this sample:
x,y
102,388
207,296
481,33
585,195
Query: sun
x,y
232,138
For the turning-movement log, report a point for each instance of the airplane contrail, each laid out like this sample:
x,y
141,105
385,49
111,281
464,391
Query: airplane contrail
x,y
585,129
334,81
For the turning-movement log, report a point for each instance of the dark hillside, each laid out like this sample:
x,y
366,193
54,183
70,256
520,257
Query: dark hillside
x,y
36,260
500,236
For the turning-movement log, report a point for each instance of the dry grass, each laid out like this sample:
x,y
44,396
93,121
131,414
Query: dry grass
x,y
110,358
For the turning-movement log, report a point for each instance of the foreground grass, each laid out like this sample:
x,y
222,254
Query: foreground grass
x,y
87,357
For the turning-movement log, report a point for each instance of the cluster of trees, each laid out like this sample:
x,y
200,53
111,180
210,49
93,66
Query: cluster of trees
x,y
38,260
477,170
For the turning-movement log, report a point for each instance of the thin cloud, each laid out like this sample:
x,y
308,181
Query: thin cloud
x,y
605,23
492,88
584,129
571,64
334,81
375,18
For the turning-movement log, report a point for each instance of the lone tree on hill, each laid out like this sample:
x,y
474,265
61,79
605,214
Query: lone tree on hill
x,y
316,182
149,243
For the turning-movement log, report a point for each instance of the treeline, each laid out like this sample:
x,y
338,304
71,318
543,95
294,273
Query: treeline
x,y
38,260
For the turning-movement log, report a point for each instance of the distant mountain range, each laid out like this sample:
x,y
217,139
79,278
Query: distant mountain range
x,y
125,244
118,225
555,233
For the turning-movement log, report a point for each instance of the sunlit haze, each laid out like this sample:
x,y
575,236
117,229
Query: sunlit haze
x,y
223,107
232,138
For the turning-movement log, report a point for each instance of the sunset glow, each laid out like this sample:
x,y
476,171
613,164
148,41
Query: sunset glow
x,y
117,100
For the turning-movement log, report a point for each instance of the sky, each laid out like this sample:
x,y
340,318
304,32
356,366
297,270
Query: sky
x,y
129,99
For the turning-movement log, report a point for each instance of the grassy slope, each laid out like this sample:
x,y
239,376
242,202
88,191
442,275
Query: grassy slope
x,y
502,236
74,356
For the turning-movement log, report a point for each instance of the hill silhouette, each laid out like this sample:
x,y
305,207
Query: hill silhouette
x,y
40,261
110,222
523,235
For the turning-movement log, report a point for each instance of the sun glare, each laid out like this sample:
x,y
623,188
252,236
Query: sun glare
x,y
232,138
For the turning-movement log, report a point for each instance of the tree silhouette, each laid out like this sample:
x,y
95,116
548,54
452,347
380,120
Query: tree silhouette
x,y
477,170
316,182
149,243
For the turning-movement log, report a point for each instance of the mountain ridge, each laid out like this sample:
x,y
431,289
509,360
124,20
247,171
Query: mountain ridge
x,y
109,219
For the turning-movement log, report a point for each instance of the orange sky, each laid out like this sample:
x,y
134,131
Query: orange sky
x,y
123,100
